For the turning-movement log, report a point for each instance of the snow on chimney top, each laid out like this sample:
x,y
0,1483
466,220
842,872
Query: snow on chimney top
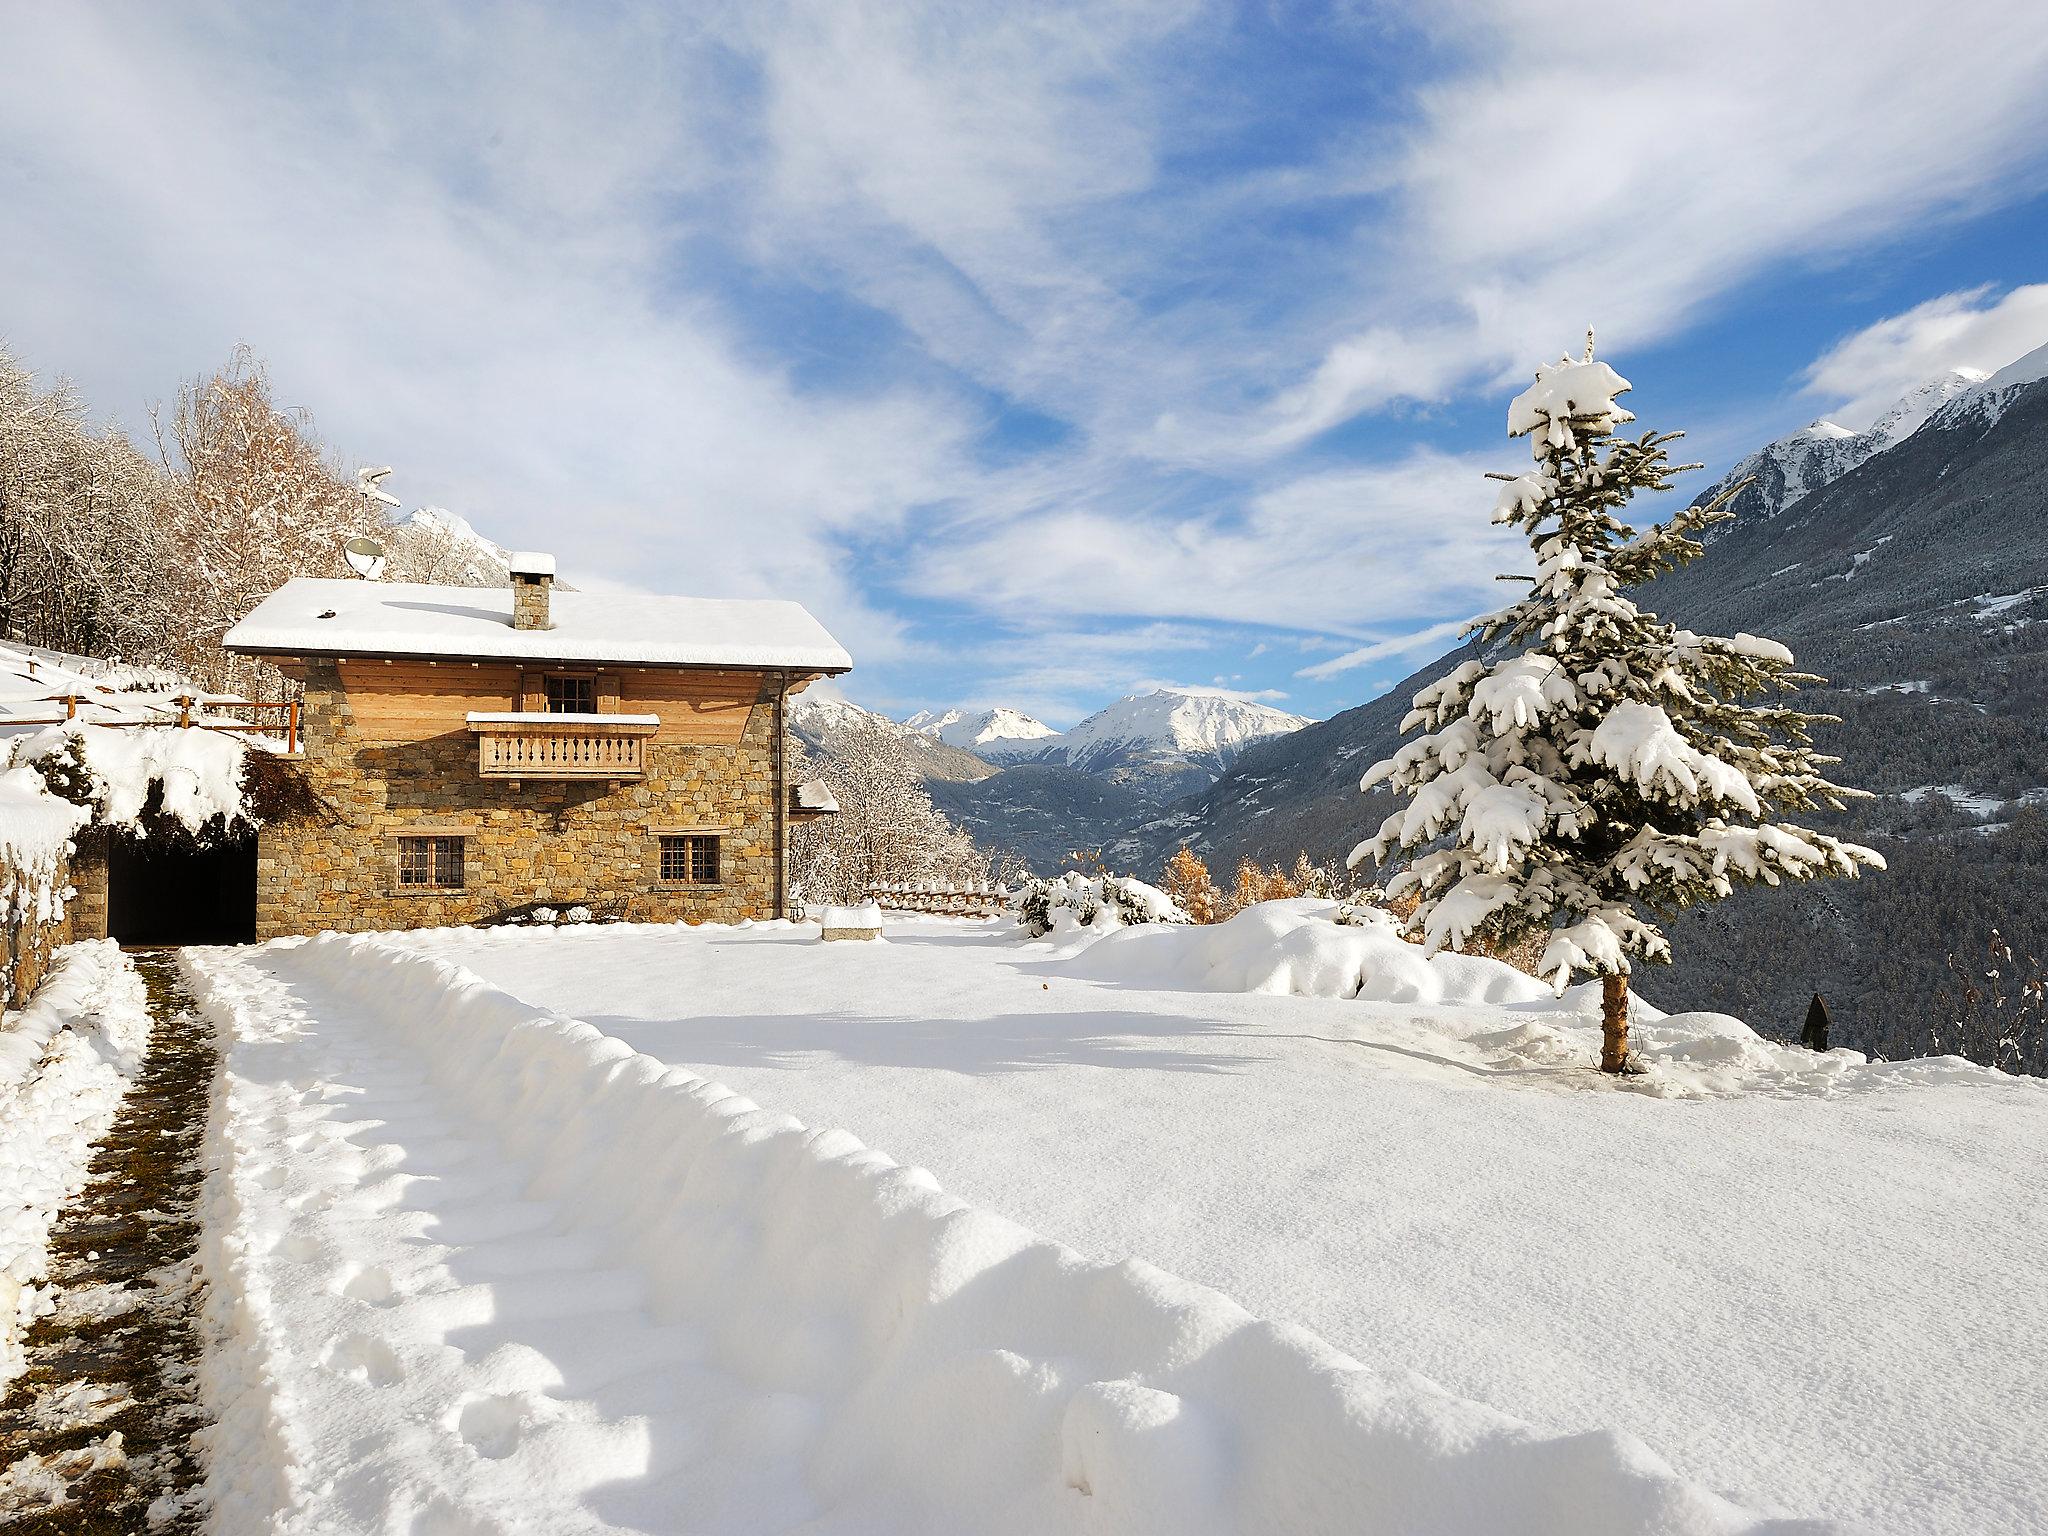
x,y
533,576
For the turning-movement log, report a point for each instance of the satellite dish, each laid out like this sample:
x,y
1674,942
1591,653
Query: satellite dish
x,y
365,557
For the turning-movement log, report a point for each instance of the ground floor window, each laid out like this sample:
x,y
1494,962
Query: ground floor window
x,y
689,858
430,863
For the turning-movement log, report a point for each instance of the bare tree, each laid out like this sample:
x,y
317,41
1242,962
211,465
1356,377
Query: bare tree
x,y
81,527
256,499
887,829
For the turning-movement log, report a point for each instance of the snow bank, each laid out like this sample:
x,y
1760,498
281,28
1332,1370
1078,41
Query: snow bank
x,y
1295,948
931,1367
65,1062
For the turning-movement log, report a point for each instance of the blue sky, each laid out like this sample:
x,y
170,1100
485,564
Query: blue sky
x,y
1046,352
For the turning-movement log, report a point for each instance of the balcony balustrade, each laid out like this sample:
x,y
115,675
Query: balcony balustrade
x,y
526,745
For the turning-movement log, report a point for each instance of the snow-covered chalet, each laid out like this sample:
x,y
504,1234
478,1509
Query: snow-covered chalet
x,y
481,752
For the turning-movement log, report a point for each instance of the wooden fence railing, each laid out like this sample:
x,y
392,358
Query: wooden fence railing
x,y
971,900
192,712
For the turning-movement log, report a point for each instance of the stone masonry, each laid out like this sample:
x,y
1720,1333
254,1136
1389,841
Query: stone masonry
x,y
562,843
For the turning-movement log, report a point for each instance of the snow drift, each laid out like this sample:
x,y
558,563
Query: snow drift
x,y
928,1366
1297,948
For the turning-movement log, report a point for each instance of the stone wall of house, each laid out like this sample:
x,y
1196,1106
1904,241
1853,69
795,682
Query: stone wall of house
x,y
562,843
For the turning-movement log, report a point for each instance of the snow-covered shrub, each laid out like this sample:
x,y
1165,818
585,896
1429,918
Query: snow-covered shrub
x,y
1103,902
576,915
1363,908
194,777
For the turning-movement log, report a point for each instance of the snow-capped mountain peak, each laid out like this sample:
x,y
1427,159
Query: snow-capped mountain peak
x,y
1912,411
1783,473
1207,727
1984,402
992,733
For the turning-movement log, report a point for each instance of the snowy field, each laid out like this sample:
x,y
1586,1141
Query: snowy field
x,y
489,1268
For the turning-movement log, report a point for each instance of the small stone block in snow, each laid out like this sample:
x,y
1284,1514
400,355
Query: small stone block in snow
x,y
864,922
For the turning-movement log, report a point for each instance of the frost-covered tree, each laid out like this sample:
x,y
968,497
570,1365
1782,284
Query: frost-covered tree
x,y
257,498
1608,768
887,831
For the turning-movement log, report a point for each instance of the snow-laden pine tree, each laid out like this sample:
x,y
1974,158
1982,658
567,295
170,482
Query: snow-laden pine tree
x,y
1609,768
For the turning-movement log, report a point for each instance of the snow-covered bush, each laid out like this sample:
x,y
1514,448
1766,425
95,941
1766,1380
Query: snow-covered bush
x,y
1103,902
194,777
1609,770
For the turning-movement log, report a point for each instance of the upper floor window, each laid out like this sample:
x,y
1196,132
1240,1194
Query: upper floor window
x,y
572,695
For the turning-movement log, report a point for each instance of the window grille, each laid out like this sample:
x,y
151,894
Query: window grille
x,y
689,859
430,862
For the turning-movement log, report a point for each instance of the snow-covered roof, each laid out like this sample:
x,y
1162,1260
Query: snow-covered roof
x,y
316,616
816,795
531,562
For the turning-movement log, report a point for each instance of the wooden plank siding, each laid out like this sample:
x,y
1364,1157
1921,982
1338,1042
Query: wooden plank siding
x,y
401,701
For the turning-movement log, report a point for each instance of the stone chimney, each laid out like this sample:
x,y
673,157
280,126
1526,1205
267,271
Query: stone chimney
x,y
533,578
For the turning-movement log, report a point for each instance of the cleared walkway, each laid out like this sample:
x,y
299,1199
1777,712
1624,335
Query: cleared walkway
x,y
98,1434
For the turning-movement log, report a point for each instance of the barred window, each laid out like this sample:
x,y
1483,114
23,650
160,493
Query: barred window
x,y
430,862
689,859
572,695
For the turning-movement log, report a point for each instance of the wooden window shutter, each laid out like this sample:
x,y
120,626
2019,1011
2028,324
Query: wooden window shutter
x,y
533,692
607,693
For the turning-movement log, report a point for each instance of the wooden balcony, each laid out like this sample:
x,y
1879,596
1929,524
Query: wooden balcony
x,y
528,745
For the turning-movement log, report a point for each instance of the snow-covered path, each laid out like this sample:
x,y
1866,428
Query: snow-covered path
x,y
445,1353
1819,1294
477,1269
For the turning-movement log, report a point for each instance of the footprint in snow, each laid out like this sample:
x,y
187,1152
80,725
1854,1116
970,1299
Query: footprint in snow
x,y
493,1426
366,1359
371,1284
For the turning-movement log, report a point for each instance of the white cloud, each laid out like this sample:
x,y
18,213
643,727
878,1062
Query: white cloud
x,y
1870,370
1392,542
493,250
457,248
1627,167
1432,638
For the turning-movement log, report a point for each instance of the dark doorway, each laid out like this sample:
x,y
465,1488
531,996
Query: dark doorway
x,y
166,891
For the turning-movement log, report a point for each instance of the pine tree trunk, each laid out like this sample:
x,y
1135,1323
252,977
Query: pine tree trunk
x,y
1614,1023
